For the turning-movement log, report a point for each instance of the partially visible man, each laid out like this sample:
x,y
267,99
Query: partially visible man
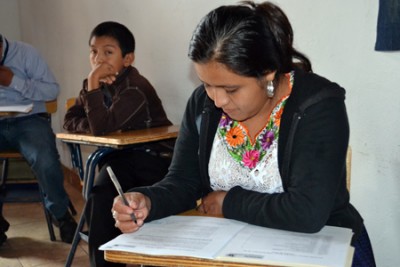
x,y
26,78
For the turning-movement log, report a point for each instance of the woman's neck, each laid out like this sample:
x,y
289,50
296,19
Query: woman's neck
x,y
255,124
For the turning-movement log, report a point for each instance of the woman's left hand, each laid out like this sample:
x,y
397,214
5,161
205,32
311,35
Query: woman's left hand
x,y
212,203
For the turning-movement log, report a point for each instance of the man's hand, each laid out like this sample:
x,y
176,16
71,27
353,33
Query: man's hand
x,y
6,76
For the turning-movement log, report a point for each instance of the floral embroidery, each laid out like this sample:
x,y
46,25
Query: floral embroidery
x,y
238,143
235,137
267,140
250,158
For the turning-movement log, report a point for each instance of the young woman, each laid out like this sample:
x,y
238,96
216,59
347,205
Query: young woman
x,y
263,140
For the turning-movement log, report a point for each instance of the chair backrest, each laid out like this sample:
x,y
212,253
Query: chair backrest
x,y
348,168
51,106
70,102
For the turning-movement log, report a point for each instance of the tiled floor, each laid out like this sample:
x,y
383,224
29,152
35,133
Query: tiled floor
x,y
28,243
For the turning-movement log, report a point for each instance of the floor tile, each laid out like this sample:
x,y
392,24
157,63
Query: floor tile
x,y
29,244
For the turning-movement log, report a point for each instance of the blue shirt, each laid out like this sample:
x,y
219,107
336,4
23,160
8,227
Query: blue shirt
x,y
33,81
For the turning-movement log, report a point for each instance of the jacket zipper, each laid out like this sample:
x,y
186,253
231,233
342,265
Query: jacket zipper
x,y
288,151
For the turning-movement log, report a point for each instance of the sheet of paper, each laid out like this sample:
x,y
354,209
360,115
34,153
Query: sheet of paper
x,y
17,108
255,244
192,236
350,254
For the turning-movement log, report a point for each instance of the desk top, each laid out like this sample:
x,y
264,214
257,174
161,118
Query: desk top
x,y
120,139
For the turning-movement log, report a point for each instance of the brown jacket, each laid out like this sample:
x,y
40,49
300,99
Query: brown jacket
x,y
129,103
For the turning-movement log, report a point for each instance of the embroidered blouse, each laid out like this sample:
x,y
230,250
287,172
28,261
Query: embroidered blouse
x,y
236,160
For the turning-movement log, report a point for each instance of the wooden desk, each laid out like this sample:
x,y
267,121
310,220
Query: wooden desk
x,y
122,139
171,261
132,258
105,145
108,143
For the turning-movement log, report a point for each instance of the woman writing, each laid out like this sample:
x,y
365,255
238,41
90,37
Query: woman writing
x,y
263,140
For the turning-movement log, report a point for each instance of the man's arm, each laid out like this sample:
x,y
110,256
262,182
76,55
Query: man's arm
x,y
33,79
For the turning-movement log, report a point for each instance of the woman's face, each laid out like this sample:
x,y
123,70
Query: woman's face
x,y
240,97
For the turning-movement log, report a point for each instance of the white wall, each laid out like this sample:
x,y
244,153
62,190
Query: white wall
x,y
337,35
9,19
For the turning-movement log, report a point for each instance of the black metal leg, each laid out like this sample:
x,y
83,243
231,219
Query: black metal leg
x,y
4,172
91,165
88,179
76,158
77,238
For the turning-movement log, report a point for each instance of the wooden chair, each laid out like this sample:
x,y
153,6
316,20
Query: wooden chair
x,y
70,102
51,107
348,168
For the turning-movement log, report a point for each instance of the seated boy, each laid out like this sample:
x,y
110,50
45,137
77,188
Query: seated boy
x,y
116,97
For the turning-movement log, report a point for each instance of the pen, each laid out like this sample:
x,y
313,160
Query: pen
x,y
119,189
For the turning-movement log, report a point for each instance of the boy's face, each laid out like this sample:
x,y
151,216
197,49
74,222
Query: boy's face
x,y
105,49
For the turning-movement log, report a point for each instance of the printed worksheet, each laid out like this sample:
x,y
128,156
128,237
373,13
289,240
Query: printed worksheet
x,y
192,236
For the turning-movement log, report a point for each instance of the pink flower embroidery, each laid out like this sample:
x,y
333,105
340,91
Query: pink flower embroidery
x,y
250,158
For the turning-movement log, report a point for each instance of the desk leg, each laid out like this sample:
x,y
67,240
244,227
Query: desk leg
x,y
77,238
91,165
89,174
76,158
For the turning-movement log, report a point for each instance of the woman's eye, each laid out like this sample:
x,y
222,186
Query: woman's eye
x,y
231,90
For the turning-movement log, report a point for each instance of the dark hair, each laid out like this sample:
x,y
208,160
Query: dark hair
x,y
250,39
119,32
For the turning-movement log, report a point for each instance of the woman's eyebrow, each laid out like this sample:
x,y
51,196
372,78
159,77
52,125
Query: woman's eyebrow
x,y
220,85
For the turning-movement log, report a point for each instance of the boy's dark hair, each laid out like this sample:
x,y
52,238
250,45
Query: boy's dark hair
x,y
119,32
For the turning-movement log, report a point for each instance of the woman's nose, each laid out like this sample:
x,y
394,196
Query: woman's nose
x,y
220,98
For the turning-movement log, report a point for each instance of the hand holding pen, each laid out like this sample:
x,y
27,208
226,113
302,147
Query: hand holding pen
x,y
120,192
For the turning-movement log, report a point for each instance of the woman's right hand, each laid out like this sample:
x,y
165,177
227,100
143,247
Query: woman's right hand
x,y
139,204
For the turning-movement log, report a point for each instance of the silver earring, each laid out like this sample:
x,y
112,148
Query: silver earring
x,y
270,89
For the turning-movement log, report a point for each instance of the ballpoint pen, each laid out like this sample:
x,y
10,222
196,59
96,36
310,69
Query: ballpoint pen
x,y
119,189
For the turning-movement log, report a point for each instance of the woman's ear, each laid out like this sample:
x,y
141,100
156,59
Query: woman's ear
x,y
270,76
129,59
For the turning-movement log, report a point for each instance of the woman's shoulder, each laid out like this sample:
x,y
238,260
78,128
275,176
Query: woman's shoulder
x,y
310,87
199,102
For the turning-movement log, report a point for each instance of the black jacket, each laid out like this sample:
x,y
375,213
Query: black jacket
x,y
312,149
